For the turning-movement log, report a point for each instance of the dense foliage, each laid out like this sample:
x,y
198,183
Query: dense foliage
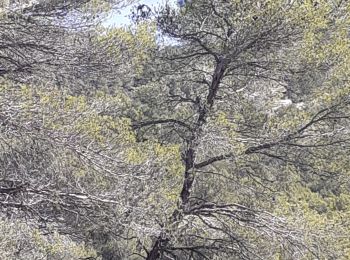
x,y
218,130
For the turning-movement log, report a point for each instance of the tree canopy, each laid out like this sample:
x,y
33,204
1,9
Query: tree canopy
x,y
218,130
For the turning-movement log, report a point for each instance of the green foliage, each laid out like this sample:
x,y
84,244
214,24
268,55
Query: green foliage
x,y
21,241
228,141
134,44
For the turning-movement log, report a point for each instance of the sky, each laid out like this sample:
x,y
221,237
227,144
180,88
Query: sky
x,y
121,18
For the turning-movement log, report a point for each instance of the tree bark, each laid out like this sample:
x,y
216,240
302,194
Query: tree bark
x,y
190,153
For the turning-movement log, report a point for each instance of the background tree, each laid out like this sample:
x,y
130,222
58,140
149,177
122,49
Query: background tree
x,y
53,41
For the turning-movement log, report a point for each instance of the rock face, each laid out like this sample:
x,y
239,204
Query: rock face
x,y
271,97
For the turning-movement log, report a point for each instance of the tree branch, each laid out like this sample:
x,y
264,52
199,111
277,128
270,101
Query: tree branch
x,y
160,121
212,160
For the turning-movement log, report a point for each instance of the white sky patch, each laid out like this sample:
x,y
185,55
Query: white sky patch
x,y
122,17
